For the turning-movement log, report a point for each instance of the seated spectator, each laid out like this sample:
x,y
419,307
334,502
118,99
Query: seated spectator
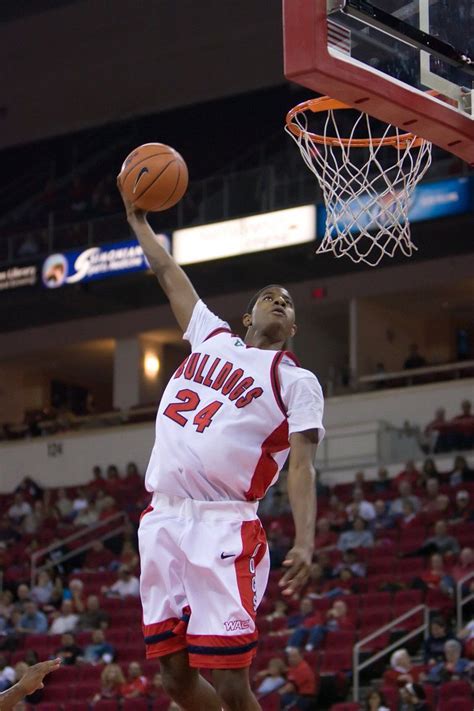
x,y
23,595
465,413
344,584
69,651
277,545
19,509
98,557
272,678
136,684
32,620
43,592
359,507
461,473
74,592
108,509
401,671
156,687
436,441
66,620
405,494
126,585
300,689
86,516
64,505
453,667
375,701
325,538
34,521
111,682
280,610
430,499
462,510
409,517
99,650
316,585
98,481
436,577
336,513
7,674
315,628
6,605
429,470
305,611
414,359
358,537
80,501
93,617
413,698
350,560
132,476
29,488
383,518
8,531
410,474
382,484
466,635
441,542
437,638
464,566
129,555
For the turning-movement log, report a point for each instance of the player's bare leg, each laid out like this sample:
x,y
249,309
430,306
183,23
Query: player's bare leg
x,y
233,687
186,686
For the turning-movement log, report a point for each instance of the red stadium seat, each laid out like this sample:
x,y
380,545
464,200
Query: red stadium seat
x,y
139,704
348,706
391,696
461,703
160,704
106,705
379,599
90,673
271,702
334,661
78,706
47,707
452,689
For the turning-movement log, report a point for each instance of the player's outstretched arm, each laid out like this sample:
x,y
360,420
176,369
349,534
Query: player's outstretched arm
x,y
174,282
29,682
302,495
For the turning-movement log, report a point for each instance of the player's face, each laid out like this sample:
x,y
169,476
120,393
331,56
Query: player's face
x,y
273,314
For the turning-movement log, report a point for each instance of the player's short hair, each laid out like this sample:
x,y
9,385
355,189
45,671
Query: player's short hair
x,y
256,296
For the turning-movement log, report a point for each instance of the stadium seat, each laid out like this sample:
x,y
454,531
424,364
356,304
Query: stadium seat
x,y
452,689
139,704
106,705
378,599
391,696
348,706
160,704
460,703
334,661
271,702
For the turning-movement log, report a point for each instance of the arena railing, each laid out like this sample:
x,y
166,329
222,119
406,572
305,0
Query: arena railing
x,y
358,666
415,376
461,599
121,523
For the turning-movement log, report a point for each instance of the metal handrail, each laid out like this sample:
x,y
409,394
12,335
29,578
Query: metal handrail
x,y
460,601
413,372
120,515
357,667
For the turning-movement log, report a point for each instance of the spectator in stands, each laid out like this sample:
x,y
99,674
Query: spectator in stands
x,y
436,441
32,621
64,505
156,687
108,509
69,651
136,684
383,518
99,650
435,577
336,513
350,560
126,585
301,687
413,698
414,359
277,545
401,671
466,635
409,517
272,677
280,611
80,501
429,470
98,481
66,620
31,657
8,532
34,521
29,488
358,537
86,516
359,507
6,605
383,483
305,611
93,617
337,618
462,510
23,595
132,476
43,592
405,494
74,592
7,674
437,638
111,682
325,538
460,474
453,668
463,567
129,555
465,413
431,502
375,701
98,557
441,542
409,474
19,509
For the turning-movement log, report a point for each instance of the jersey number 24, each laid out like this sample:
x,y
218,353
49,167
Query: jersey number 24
x,y
189,401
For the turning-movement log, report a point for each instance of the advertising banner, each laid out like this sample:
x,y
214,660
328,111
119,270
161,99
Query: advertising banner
x,y
18,277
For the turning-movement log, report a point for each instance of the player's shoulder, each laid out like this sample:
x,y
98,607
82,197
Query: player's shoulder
x,y
290,370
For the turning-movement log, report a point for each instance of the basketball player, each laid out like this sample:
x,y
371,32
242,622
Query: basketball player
x,y
224,426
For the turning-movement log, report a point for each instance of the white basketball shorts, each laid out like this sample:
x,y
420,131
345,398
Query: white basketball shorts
x,y
204,569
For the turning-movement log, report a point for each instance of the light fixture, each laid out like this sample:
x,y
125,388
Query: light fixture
x,y
151,365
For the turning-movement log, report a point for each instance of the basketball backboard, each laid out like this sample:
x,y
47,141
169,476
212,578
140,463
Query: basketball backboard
x,y
385,56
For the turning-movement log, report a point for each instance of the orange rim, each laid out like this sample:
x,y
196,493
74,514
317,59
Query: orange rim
x,y
325,103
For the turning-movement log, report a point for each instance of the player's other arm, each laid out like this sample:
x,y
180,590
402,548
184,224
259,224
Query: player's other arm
x,y
30,682
173,280
302,495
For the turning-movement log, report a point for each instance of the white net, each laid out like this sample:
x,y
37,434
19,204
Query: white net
x,y
367,183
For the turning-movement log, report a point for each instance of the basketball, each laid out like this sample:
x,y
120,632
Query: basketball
x,y
154,177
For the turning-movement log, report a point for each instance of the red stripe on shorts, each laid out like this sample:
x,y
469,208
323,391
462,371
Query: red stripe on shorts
x,y
254,545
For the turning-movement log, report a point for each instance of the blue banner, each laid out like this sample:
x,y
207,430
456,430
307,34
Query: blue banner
x,y
95,263
429,202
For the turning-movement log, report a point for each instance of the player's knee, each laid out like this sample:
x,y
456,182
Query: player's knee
x,y
233,688
177,682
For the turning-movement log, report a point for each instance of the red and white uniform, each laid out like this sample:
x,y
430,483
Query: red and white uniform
x,y
222,436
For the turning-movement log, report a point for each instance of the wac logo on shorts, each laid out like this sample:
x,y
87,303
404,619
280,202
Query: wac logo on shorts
x,y
233,625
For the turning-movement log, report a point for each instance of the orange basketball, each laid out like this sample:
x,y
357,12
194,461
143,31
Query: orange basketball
x,y
154,177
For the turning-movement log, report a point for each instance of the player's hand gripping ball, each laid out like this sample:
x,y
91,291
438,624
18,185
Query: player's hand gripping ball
x,y
153,177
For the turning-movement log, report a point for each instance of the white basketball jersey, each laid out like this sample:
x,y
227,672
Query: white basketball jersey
x,y
221,427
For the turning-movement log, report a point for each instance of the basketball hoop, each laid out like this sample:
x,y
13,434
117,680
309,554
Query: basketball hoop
x,y
367,179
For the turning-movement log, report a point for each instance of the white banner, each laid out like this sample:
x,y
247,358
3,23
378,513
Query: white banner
x,y
257,233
